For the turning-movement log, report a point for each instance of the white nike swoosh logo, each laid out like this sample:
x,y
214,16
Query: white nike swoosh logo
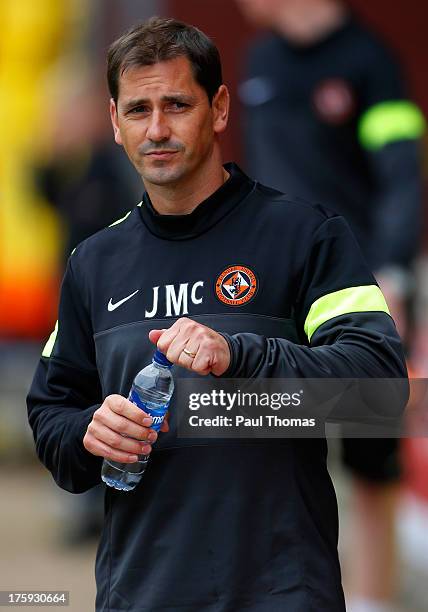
x,y
112,306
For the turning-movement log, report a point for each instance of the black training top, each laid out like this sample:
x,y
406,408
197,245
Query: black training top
x,y
330,122
215,525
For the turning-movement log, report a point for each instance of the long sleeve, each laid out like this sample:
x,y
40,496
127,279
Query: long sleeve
x,y
390,127
65,393
341,314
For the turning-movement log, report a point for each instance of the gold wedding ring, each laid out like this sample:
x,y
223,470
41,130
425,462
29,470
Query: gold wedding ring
x,y
189,353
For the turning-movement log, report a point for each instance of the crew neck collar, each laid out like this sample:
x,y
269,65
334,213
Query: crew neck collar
x,y
205,215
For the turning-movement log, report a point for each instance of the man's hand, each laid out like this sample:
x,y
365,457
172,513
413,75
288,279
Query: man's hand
x,y
193,346
116,418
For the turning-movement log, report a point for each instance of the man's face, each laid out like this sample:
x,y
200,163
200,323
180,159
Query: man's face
x,y
165,122
262,12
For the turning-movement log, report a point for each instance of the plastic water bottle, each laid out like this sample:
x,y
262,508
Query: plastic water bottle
x,y
151,391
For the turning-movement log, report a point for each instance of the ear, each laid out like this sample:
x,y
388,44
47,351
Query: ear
x,y
220,107
115,122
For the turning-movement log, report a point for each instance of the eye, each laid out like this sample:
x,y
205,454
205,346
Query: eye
x,y
138,109
178,106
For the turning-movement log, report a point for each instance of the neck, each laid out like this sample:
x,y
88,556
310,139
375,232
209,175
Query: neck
x,y
184,197
308,22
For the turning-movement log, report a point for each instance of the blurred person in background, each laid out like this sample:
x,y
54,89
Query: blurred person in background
x,y
88,180
197,534
327,118
86,177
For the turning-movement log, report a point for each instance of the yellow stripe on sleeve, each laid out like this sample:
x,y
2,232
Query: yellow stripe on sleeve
x,y
47,351
388,122
368,298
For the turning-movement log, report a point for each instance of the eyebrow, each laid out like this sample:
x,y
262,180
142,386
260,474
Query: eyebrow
x,y
184,98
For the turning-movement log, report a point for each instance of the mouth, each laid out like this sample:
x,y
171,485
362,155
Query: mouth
x,y
161,154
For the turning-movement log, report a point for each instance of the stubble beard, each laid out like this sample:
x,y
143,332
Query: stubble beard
x,y
162,174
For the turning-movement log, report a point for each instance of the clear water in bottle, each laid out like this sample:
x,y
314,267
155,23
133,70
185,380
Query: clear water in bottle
x,y
151,391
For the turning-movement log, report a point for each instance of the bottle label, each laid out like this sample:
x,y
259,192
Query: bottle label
x,y
157,414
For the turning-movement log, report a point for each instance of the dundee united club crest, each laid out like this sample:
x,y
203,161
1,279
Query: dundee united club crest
x,y
334,101
236,285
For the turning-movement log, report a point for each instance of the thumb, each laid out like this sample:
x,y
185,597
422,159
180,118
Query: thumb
x,y
155,334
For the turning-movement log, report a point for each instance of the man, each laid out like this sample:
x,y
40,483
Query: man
x,y
220,524
326,117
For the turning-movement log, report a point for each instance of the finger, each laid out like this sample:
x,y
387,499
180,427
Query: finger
x,y
100,449
202,363
185,360
119,442
114,455
204,372
155,334
212,356
120,456
208,356
188,334
167,337
176,352
126,427
123,407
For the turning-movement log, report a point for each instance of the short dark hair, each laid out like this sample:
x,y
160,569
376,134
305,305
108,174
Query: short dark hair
x,y
160,39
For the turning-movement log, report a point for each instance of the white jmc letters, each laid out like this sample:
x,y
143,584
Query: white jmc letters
x,y
194,299
154,310
176,301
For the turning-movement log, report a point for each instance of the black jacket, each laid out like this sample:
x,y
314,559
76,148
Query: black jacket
x,y
332,122
215,525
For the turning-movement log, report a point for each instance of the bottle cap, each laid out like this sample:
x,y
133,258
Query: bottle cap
x,y
161,359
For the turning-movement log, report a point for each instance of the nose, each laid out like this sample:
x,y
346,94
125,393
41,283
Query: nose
x,y
158,129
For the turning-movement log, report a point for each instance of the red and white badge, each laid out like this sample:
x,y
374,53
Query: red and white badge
x,y
236,285
334,101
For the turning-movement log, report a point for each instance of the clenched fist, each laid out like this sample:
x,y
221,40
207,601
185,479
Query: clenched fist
x,y
193,346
